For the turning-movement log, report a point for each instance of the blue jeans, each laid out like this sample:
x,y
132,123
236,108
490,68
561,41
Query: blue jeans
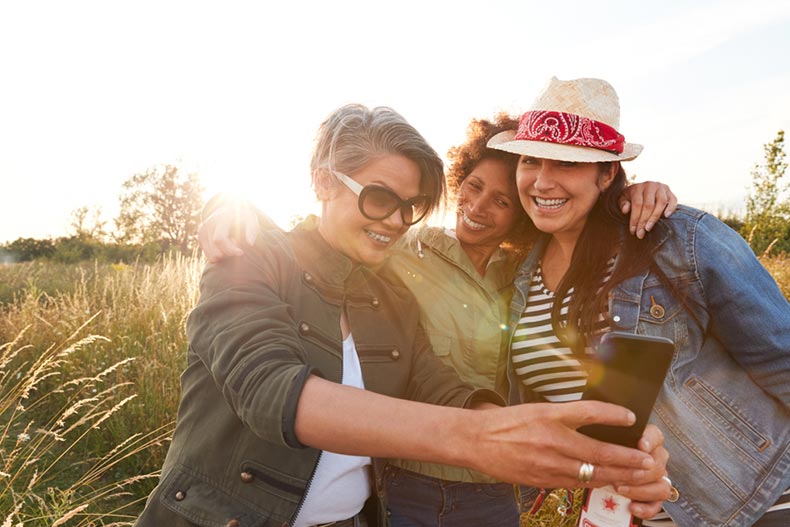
x,y
415,500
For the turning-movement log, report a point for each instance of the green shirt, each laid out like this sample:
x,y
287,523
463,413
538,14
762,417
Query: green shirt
x,y
464,315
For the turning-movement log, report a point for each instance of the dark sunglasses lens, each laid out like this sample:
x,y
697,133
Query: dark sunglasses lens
x,y
378,203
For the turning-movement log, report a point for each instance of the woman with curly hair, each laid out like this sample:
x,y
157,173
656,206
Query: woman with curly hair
x,y
462,279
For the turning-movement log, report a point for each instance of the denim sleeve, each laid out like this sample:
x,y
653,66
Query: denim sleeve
x,y
748,313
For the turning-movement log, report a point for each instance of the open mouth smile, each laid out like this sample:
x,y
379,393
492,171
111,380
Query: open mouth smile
x,y
378,238
475,226
552,204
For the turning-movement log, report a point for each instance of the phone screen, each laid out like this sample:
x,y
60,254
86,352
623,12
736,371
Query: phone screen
x,y
628,371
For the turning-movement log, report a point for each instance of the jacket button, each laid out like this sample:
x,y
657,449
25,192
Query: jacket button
x,y
375,302
246,477
674,495
395,354
304,327
180,495
308,277
232,523
616,318
657,311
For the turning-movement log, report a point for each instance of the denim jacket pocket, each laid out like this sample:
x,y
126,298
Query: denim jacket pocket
x,y
203,502
724,416
658,305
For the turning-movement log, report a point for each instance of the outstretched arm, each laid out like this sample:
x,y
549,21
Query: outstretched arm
x,y
530,444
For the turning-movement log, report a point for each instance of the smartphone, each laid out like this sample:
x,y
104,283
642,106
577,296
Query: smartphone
x,y
628,370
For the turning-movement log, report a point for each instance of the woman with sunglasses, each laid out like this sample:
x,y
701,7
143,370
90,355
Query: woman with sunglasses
x,y
461,279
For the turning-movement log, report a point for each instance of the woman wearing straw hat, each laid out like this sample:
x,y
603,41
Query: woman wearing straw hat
x,y
302,352
461,279
725,404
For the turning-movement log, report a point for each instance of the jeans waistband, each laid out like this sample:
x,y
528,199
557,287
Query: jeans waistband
x,y
358,520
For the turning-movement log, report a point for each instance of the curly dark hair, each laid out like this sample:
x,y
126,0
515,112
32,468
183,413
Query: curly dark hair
x,y
465,157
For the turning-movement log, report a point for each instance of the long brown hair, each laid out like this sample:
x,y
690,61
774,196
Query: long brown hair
x,y
603,236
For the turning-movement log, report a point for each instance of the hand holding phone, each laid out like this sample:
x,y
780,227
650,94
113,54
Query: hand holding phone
x,y
629,371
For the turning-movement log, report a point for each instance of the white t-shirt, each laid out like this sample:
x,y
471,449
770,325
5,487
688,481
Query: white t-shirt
x,y
341,483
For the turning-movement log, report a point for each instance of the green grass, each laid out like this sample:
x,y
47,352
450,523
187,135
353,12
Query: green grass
x,y
123,327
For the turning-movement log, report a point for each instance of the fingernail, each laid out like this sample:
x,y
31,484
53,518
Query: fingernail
x,y
631,417
633,229
623,489
648,463
624,208
640,234
646,445
648,225
667,214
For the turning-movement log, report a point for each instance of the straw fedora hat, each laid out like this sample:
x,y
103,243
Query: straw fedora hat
x,y
575,120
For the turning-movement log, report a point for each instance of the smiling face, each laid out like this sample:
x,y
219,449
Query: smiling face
x,y
487,205
559,195
342,224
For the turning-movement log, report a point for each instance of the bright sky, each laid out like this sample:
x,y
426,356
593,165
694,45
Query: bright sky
x,y
95,91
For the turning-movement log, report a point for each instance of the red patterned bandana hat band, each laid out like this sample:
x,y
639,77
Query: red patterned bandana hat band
x,y
569,129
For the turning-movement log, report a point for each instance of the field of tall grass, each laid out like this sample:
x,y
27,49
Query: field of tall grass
x,y
90,358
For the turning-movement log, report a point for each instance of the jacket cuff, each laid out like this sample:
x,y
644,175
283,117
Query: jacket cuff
x,y
291,402
484,395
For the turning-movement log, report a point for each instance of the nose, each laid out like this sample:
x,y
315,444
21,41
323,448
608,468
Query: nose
x,y
395,220
477,204
544,179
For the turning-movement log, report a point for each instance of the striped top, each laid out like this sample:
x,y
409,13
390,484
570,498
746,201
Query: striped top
x,y
551,370
540,360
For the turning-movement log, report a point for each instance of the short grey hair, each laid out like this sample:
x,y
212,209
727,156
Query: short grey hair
x,y
354,135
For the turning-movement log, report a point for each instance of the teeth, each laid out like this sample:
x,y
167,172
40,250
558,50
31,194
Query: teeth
x,y
550,203
378,237
472,224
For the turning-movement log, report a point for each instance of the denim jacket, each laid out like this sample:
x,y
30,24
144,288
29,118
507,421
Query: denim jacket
x,y
725,405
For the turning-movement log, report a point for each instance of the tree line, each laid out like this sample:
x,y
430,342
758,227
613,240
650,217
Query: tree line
x,y
160,212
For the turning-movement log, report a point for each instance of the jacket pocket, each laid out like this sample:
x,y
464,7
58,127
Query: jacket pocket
x,y
441,343
273,482
724,416
380,354
203,502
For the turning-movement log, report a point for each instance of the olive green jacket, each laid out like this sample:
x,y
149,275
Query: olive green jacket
x,y
464,315
264,323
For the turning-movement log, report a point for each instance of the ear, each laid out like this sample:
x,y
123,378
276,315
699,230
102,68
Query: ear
x,y
325,184
606,177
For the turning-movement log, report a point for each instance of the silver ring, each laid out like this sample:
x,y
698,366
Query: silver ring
x,y
586,472
666,478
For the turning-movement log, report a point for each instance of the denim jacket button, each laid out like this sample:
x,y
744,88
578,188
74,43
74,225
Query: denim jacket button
x,y
674,495
616,318
180,495
308,277
395,354
375,302
246,477
657,311
304,328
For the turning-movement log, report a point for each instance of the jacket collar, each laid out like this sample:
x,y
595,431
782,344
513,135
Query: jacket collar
x,y
317,257
500,267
